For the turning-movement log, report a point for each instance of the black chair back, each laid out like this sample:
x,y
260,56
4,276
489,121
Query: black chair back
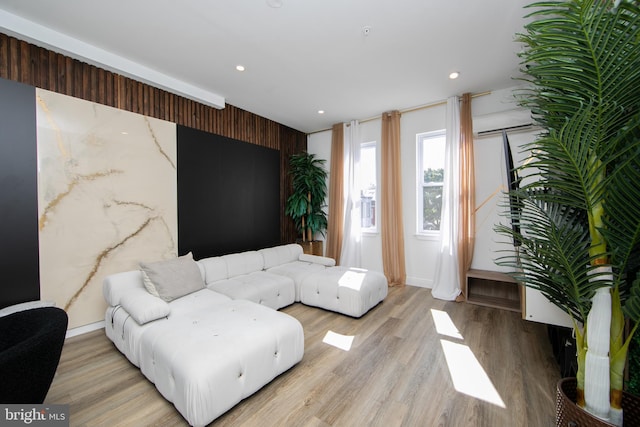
x,y
30,346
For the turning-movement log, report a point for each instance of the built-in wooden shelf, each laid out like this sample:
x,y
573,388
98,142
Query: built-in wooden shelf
x,y
493,289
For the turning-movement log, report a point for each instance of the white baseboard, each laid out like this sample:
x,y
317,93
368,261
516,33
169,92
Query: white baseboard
x,y
84,329
419,282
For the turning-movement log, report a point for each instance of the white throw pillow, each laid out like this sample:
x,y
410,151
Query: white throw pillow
x,y
143,307
173,278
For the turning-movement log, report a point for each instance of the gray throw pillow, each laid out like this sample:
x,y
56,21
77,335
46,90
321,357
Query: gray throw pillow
x,y
173,278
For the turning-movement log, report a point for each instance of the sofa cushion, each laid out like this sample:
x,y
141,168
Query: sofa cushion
x,y
272,290
143,306
202,300
215,269
207,361
350,291
243,263
323,260
279,255
172,278
115,286
298,271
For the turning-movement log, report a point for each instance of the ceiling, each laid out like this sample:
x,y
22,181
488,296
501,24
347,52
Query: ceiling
x,y
353,59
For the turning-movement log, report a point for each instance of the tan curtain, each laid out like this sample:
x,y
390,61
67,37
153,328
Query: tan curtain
x,y
335,226
391,201
467,230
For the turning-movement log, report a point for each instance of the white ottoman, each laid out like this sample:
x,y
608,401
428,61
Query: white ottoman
x,y
350,291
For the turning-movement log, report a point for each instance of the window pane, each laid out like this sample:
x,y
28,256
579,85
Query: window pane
x,y
432,208
433,151
431,147
433,175
368,183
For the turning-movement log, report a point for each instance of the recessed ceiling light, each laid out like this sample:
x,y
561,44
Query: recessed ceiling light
x,y
274,3
240,67
320,111
454,75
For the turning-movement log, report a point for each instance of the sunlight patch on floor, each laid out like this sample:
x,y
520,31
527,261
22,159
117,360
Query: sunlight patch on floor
x,y
444,324
343,342
352,279
467,374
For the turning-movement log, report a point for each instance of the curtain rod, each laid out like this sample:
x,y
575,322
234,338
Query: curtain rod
x,y
409,110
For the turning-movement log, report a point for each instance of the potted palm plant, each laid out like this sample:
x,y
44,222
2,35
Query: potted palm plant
x,y
577,211
306,203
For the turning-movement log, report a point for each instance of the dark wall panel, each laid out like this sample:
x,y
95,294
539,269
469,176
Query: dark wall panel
x,y
18,194
228,194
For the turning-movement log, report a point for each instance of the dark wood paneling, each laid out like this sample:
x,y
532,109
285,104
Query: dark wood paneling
x,y
42,68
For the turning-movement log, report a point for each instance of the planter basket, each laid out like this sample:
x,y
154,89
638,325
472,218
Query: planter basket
x,y
311,247
568,414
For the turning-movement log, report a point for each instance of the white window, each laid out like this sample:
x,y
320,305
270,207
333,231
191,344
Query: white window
x,y
368,187
431,148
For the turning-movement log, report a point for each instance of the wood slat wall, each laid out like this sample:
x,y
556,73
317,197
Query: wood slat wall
x,y
26,63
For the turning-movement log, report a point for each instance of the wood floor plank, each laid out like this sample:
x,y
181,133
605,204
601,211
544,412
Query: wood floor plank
x,y
396,373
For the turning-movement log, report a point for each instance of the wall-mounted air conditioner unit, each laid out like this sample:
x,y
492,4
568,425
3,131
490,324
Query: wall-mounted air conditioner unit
x,y
516,120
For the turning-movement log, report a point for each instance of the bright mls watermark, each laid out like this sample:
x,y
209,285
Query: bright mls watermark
x,y
34,415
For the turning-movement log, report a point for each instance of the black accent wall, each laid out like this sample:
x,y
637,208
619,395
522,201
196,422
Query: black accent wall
x,y
228,194
19,257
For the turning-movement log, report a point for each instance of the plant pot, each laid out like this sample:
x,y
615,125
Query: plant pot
x,y
568,414
311,247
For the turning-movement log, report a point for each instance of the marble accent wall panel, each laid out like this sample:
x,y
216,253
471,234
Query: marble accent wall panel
x,y
107,198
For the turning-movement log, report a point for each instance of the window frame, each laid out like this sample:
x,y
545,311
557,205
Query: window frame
x,y
420,184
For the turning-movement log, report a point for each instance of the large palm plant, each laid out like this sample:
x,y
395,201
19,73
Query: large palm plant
x,y
305,205
578,208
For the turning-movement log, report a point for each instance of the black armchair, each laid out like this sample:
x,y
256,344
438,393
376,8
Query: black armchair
x,y
30,346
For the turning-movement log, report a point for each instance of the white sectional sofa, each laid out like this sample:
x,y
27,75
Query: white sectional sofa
x,y
208,334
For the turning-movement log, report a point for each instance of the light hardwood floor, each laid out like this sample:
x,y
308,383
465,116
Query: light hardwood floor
x,y
395,374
